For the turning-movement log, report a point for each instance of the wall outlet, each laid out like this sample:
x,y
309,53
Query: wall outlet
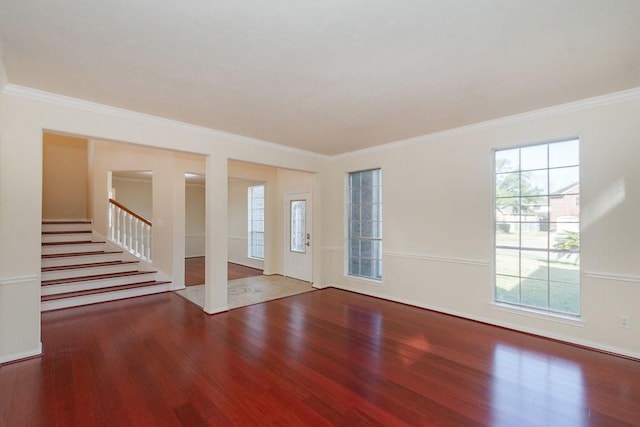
x,y
625,321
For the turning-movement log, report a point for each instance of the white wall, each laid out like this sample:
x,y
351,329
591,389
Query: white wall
x,y
238,223
166,196
135,194
250,173
195,220
437,220
437,211
25,114
278,182
64,177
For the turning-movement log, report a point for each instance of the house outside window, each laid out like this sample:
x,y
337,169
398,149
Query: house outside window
x,y
537,227
364,238
256,221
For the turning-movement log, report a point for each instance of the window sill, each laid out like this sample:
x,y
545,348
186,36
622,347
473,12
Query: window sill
x,y
364,280
538,314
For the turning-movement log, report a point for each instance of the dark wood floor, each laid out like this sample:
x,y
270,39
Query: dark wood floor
x,y
328,357
194,271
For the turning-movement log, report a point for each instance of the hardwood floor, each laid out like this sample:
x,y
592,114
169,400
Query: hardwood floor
x,y
327,357
194,271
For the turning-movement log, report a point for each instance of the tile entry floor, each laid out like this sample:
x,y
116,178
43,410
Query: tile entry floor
x,y
251,290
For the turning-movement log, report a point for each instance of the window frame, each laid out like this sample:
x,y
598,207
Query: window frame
x,y
547,311
303,249
251,220
347,231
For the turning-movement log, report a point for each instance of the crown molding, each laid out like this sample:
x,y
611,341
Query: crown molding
x,y
583,104
94,107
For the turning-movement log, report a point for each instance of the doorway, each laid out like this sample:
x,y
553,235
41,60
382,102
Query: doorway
x,y
298,252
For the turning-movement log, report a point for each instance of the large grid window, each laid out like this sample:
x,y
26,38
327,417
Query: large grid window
x,y
365,224
256,221
537,227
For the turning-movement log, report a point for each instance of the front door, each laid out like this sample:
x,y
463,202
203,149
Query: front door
x,y
297,249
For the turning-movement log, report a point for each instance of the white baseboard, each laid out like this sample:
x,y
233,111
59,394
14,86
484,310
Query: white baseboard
x,y
23,355
19,279
533,331
257,264
216,310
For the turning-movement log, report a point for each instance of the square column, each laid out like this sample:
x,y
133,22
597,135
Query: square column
x,y
215,288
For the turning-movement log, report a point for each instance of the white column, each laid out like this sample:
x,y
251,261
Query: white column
x,y
273,227
215,289
179,216
163,195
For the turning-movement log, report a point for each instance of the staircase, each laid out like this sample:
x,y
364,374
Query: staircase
x,y
78,269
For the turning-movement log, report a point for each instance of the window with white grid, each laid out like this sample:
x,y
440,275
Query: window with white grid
x,y
537,227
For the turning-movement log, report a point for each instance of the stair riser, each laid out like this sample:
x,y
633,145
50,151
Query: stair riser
x,y
103,297
71,237
78,272
96,284
81,259
67,227
65,249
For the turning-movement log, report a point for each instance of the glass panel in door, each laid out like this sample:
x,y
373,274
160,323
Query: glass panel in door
x,y
298,226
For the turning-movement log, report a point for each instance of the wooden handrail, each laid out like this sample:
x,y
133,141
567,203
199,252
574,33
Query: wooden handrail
x,y
130,212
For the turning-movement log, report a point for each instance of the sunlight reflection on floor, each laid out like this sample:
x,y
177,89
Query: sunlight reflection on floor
x,y
545,388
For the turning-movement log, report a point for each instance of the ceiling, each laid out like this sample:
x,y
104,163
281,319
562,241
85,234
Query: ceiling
x,y
327,76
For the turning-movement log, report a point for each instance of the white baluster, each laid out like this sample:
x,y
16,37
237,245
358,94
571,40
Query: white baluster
x,y
148,242
129,232
140,234
123,228
110,221
118,225
136,228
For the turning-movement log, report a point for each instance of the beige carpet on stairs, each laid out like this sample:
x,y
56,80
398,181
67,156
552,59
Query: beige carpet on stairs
x,y
251,290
